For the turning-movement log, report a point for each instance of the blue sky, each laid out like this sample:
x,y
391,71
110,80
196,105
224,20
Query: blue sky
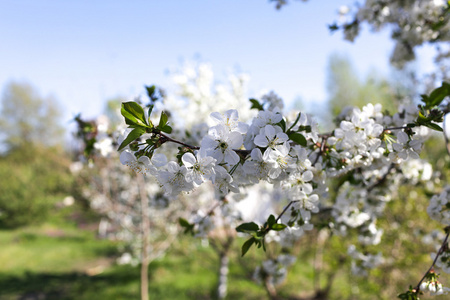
x,y
85,52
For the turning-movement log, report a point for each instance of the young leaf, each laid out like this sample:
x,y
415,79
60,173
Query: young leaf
x,y
133,112
256,104
438,95
247,245
298,138
282,124
278,227
150,109
434,126
183,222
150,91
163,120
333,27
247,227
166,129
295,122
188,228
271,220
134,134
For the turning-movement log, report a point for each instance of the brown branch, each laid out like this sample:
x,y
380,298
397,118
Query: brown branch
x,y
440,251
322,148
285,209
169,139
382,179
166,138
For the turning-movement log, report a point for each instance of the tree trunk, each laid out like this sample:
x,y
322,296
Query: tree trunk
x,y
222,286
145,222
270,289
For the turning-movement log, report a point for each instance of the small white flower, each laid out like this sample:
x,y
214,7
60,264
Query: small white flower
x,y
271,137
199,167
404,148
173,180
224,182
220,144
258,165
141,165
230,119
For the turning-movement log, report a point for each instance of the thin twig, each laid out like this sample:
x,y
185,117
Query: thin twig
x,y
285,209
169,139
441,250
382,179
322,149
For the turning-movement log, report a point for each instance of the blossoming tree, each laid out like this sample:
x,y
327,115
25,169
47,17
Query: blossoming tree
x,y
341,180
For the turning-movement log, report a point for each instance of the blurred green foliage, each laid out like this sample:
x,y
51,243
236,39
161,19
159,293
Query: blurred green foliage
x,y
28,118
32,180
347,88
34,169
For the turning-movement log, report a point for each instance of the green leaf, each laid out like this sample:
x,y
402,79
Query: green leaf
x,y
150,92
278,227
438,95
134,113
333,27
150,109
434,126
271,220
163,120
247,245
134,134
247,227
282,124
184,222
424,98
256,104
188,228
166,129
295,122
298,138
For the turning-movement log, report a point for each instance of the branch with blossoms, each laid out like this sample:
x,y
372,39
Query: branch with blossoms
x,y
294,156
429,281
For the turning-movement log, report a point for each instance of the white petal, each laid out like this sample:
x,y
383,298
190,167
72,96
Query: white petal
x,y
126,157
270,132
173,167
261,141
235,140
159,160
307,176
447,127
232,158
188,159
217,117
256,154
144,160
347,126
402,137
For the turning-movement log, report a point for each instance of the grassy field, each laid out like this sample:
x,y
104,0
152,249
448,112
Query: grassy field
x,y
62,261
49,262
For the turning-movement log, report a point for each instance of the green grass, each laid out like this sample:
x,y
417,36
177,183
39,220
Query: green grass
x,y
65,262
50,262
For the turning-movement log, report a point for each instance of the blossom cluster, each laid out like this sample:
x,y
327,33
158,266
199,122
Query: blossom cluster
x,y
439,207
233,159
371,146
274,271
413,23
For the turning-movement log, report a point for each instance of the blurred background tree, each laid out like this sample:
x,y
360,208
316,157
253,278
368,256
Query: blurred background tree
x,y
28,119
346,87
34,168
